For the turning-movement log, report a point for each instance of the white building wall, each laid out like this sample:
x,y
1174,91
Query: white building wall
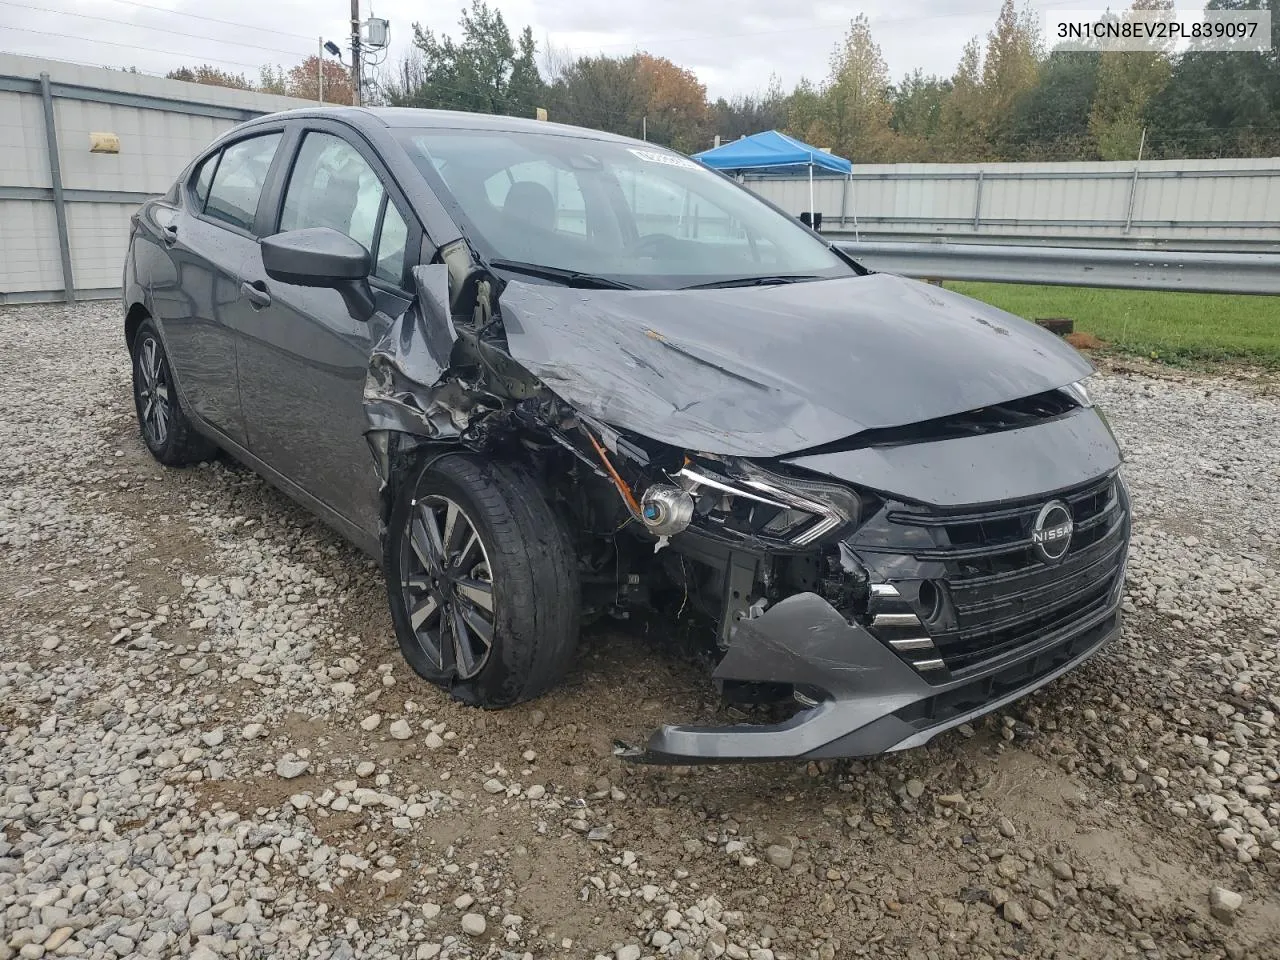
x,y
29,257
158,133
99,238
24,161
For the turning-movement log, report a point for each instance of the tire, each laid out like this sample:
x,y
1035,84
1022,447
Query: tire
x,y
520,563
162,422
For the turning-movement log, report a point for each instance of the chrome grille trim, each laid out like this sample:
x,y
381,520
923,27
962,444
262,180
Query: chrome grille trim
x,y
912,643
895,620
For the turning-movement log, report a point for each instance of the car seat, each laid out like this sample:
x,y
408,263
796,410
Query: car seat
x,y
531,204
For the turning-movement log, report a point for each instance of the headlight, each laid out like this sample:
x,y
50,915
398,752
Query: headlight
x,y
1078,393
749,501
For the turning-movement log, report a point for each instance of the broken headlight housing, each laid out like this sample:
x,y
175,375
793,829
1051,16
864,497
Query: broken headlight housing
x,y
1079,393
741,499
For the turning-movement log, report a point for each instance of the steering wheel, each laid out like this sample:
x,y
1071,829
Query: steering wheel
x,y
654,245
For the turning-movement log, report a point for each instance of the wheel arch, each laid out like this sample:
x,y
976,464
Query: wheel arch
x,y
395,456
401,453
136,315
134,318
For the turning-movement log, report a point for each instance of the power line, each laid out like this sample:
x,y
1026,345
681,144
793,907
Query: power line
x,y
198,16
127,46
143,26
107,66
820,28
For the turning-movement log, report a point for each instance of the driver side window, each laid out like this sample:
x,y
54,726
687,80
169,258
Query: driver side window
x,y
333,186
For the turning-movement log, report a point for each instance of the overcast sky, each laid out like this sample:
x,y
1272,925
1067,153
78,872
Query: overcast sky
x,y
732,45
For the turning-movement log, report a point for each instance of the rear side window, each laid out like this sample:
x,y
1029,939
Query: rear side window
x,y
203,178
238,181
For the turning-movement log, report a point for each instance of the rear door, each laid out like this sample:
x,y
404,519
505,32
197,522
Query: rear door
x,y
208,234
303,358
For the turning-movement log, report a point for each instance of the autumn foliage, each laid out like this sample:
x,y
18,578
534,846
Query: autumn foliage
x,y
1007,98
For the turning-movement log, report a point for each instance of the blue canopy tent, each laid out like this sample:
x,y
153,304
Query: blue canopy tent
x,y
774,151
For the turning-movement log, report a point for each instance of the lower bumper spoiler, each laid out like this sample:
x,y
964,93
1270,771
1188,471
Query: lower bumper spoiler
x,y
875,702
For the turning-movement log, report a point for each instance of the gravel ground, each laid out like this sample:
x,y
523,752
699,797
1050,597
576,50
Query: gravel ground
x,y
212,748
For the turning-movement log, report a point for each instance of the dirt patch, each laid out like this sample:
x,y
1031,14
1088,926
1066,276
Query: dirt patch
x,y
1082,340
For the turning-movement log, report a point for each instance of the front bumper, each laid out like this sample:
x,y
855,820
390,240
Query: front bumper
x,y
875,702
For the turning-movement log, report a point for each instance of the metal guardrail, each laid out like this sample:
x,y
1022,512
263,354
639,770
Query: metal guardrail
x,y
1251,273
1149,246
1199,205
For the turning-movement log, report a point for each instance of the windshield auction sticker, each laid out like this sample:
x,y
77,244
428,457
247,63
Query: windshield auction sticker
x,y
1168,31
670,159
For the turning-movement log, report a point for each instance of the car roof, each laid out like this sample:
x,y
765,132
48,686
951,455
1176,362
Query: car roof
x,y
415,118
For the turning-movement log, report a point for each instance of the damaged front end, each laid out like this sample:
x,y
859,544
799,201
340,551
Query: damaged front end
x,y
918,620
886,621
865,552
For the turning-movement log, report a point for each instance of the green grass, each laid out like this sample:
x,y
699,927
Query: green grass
x,y
1172,327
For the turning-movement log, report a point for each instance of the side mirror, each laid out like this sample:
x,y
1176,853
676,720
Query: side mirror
x,y
322,257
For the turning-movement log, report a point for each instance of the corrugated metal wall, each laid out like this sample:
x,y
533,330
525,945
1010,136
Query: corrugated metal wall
x,y
161,124
1219,203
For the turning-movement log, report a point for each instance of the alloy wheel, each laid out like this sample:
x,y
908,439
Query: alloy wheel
x,y
153,393
448,587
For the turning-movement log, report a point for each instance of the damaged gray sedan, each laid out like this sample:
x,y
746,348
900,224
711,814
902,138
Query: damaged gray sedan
x,y
596,377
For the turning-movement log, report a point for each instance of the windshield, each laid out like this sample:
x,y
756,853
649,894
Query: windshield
x,y
632,213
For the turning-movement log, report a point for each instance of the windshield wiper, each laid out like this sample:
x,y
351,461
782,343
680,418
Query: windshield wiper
x,y
755,281
570,278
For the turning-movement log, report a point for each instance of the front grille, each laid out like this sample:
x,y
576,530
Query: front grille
x,y
1001,595
965,699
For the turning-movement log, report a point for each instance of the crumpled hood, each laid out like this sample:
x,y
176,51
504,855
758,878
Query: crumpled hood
x,y
766,371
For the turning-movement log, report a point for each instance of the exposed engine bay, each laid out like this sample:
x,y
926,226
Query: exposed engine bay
x,y
742,540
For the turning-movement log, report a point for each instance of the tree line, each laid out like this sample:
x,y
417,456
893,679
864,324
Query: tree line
x,y
303,81
1007,99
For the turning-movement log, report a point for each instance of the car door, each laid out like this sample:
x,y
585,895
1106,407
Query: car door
x,y
206,235
303,357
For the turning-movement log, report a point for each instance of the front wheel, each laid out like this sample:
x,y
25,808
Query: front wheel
x,y
481,579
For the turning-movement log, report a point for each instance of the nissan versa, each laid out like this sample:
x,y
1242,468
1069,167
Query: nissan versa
x,y
595,376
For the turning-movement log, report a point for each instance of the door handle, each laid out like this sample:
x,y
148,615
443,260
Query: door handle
x,y
170,234
257,293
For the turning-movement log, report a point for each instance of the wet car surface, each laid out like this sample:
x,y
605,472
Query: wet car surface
x,y
886,506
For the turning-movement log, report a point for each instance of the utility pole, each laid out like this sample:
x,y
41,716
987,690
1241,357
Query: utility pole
x,y
644,127
356,97
320,70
